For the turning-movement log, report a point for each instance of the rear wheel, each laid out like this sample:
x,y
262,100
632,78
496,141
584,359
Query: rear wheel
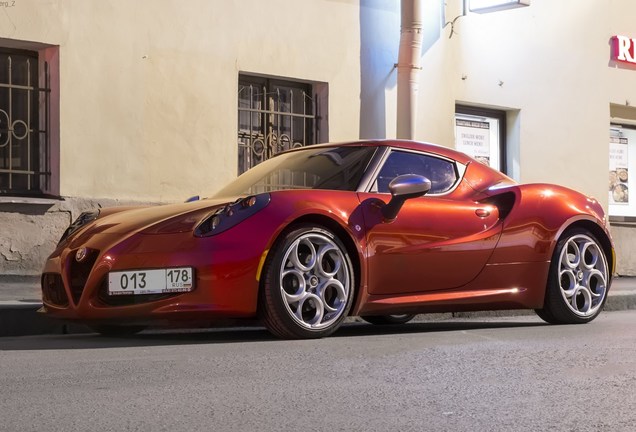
x,y
578,280
117,330
308,284
388,319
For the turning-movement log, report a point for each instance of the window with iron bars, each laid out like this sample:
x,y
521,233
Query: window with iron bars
x,y
24,120
273,116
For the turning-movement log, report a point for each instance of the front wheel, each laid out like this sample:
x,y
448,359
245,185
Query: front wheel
x,y
308,284
578,280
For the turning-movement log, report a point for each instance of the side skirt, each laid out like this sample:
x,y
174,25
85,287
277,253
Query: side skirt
x,y
498,286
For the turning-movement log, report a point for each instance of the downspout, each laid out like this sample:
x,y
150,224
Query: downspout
x,y
408,67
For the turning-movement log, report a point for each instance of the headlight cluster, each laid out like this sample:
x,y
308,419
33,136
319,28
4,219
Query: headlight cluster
x,y
82,220
230,215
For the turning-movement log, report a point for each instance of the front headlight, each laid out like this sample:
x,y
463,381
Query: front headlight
x,y
230,215
82,220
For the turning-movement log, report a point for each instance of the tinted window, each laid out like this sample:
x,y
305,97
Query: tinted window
x,y
440,172
335,168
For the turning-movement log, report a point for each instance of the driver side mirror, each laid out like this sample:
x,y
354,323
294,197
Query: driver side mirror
x,y
402,188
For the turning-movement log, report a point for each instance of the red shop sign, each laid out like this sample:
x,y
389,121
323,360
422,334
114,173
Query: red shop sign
x,y
623,49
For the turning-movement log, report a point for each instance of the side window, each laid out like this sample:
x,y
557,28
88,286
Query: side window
x,y
440,172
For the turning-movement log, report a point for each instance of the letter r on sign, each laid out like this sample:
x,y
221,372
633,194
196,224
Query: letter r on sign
x,y
624,49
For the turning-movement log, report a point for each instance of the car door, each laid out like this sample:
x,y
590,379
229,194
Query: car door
x,y
437,242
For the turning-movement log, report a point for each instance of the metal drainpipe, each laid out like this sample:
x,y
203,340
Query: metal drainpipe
x,y
408,67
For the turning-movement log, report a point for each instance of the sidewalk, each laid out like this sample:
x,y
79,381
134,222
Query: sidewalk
x,y
20,299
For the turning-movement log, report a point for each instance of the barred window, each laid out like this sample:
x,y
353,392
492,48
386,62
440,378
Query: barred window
x,y
273,116
24,102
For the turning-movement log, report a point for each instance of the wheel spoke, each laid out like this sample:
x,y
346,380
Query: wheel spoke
x,y
329,260
292,285
333,296
571,257
582,300
567,281
295,298
303,255
310,310
596,283
589,255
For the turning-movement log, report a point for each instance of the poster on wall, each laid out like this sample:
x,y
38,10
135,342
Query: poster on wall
x,y
473,138
618,171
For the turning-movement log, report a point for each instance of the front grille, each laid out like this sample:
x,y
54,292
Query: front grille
x,y
53,290
128,300
79,272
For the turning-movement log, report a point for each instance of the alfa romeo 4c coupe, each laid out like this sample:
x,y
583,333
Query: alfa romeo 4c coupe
x,y
378,229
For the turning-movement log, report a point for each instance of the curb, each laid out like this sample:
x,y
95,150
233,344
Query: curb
x,y
620,301
22,319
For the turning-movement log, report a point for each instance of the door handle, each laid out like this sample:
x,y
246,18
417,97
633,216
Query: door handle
x,y
482,213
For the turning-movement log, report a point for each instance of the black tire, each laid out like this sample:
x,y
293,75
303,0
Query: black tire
x,y
111,330
578,280
293,288
388,319
546,316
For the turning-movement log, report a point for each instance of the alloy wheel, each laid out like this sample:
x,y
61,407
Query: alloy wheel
x,y
315,281
583,275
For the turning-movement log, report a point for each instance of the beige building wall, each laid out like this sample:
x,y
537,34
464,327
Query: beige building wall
x,y
149,87
148,90
549,61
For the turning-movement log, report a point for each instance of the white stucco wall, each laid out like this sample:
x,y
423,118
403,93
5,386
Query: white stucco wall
x,y
149,87
550,61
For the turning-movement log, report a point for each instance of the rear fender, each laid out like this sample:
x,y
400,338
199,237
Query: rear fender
x,y
539,215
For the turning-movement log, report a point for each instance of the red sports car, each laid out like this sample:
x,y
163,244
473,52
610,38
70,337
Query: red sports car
x,y
378,229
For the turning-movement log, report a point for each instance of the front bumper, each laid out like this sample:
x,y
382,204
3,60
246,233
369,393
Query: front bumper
x,y
224,274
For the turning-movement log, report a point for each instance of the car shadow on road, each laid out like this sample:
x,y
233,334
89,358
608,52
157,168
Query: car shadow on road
x,y
229,335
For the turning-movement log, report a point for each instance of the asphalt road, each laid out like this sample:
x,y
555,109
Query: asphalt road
x,y
504,374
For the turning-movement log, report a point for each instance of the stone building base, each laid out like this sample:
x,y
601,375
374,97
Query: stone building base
x,y
31,228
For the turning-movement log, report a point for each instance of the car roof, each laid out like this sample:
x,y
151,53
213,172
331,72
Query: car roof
x,y
481,176
404,144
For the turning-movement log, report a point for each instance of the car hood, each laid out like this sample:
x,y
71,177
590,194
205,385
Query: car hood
x,y
161,219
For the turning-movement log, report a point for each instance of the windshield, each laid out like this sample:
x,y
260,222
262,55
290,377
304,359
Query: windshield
x,y
334,168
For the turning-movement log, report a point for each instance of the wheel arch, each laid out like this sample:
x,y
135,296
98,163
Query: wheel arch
x,y
341,232
556,308
601,235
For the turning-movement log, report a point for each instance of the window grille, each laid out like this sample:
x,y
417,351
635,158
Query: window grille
x,y
273,116
24,124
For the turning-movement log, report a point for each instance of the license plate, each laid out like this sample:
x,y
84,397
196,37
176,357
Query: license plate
x,y
157,281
